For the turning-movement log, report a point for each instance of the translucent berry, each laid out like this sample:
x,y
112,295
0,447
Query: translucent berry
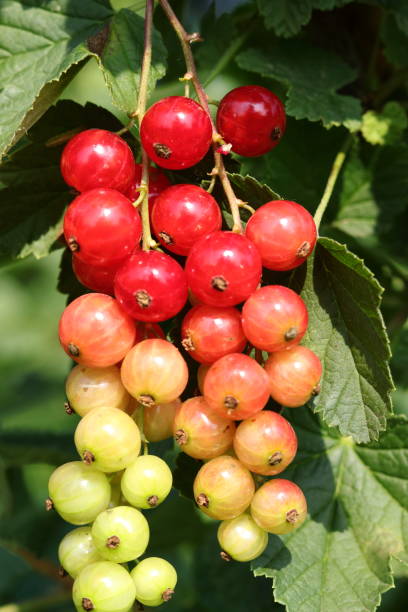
x,y
274,318
209,333
265,443
88,388
77,550
102,227
97,158
223,269
223,488
236,386
147,482
107,438
241,538
252,119
104,587
95,331
120,534
294,375
176,132
182,214
279,506
78,492
154,372
200,431
158,420
151,286
155,580
201,374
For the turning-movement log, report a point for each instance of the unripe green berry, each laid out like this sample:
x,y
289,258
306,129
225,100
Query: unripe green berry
x,y
241,538
120,534
104,587
155,580
77,550
78,492
147,482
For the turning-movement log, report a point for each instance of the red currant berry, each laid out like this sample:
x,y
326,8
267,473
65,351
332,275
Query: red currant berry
x,y
157,183
209,333
97,278
183,214
95,331
223,269
201,374
144,331
241,539
252,119
279,506
151,286
201,432
101,227
88,388
274,318
154,372
176,132
236,386
158,420
284,234
293,376
223,488
97,158
266,443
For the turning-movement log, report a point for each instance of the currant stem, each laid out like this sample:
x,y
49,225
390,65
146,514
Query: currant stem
x,y
331,181
219,168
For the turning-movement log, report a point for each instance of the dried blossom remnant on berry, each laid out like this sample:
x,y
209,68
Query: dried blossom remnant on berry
x,y
219,283
292,516
143,298
276,134
73,350
276,458
162,150
304,249
291,334
113,542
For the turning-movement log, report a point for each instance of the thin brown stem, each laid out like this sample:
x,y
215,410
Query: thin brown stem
x,y
219,168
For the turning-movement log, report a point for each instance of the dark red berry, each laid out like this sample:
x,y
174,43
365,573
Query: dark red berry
x,y
182,214
223,269
102,227
151,286
176,132
97,158
209,333
284,233
252,119
97,278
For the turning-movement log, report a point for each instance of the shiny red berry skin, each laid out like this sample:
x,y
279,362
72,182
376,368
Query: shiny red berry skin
x,y
95,331
266,443
279,506
236,386
158,182
97,278
176,132
209,333
252,119
223,269
97,158
145,331
102,227
151,286
274,318
182,214
284,234
293,375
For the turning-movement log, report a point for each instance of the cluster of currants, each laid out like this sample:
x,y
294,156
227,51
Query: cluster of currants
x,y
129,378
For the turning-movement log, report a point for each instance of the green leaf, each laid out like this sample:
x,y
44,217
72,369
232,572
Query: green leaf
x,y
40,42
312,76
34,194
399,9
385,127
339,559
346,330
22,447
248,189
121,59
286,17
395,42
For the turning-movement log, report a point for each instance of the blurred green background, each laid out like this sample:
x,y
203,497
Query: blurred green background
x,y
33,369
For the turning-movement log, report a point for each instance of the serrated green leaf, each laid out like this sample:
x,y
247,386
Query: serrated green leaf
x,y
286,17
339,559
33,193
121,60
312,76
40,42
346,330
385,127
248,189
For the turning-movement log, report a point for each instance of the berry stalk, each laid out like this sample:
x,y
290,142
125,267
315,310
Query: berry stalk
x,y
219,168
